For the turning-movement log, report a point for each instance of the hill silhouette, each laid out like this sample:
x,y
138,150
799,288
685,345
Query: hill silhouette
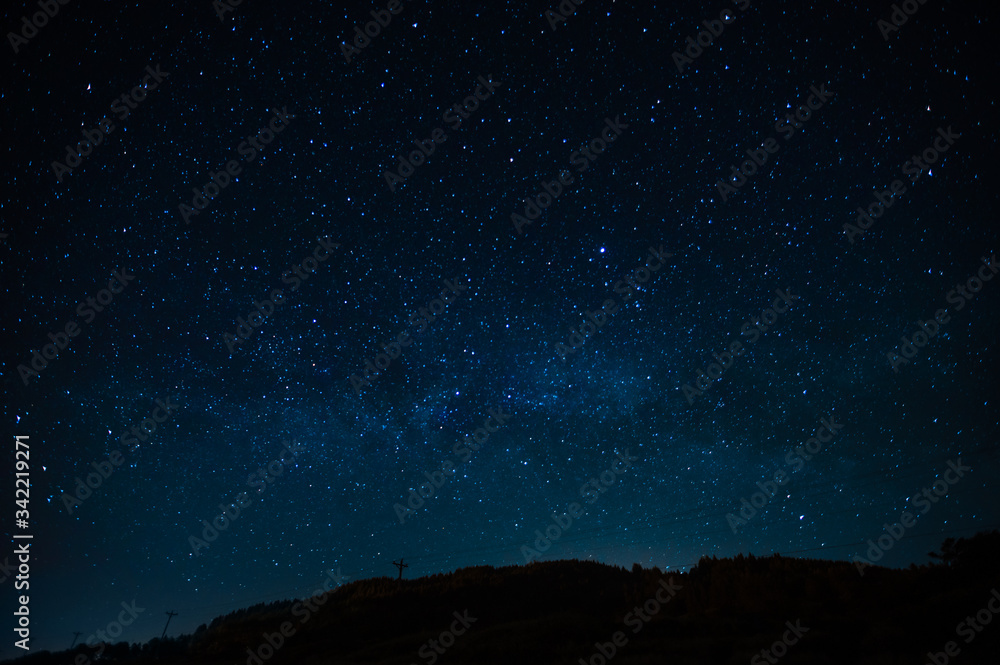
x,y
722,611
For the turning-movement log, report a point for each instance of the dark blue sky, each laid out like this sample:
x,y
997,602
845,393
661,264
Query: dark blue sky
x,y
486,384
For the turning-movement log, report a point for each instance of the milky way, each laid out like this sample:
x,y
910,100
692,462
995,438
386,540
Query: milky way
x,y
622,281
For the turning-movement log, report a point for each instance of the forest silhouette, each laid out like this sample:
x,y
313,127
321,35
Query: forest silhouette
x,y
722,611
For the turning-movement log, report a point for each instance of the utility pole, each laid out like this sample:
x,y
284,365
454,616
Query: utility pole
x,y
170,615
400,565
75,636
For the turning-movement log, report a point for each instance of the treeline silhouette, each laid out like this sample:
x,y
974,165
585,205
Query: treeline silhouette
x,y
723,611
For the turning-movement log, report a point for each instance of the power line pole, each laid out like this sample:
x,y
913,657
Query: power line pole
x,y
170,615
400,565
76,635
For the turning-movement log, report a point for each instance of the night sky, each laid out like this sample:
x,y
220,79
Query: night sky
x,y
488,305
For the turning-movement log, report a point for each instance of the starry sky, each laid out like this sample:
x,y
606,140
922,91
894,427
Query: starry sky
x,y
364,259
